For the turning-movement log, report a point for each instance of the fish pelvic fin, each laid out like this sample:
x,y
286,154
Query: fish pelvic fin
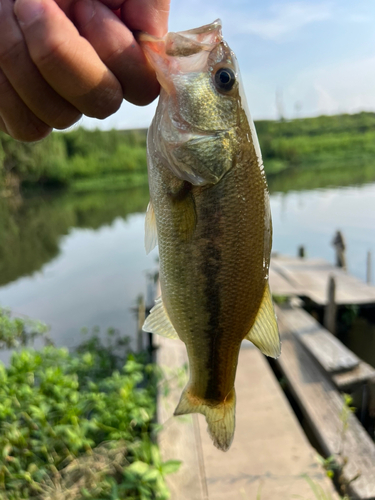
x,y
220,417
158,321
264,333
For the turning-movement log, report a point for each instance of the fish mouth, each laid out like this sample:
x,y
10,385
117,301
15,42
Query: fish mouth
x,y
207,35
183,43
180,52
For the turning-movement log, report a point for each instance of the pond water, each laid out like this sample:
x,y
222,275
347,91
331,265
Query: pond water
x,y
77,260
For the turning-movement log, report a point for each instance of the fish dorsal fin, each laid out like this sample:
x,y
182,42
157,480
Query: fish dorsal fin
x,y
151,235
264,333
158,321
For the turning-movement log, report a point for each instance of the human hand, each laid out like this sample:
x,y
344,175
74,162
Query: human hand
x,y
60,59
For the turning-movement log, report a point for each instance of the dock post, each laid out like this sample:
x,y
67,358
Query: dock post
x,y
339,243
368,268
331,307
141,320
152,293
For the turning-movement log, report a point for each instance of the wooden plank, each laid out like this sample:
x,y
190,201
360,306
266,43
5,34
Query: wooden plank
x,y
359,375
328,351
322,406
310,278
270,452
179,438
279,285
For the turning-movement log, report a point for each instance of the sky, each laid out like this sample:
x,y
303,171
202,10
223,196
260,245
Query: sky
x,y
297,58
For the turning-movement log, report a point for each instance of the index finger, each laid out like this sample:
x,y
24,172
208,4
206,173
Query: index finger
x,y
150,16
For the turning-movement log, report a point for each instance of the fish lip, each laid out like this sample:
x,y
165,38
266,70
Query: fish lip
x,y
202,38
142,36
205,29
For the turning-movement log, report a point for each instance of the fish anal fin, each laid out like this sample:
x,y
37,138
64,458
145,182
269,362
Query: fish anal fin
x,y
158,321
151,235
264,333
219,417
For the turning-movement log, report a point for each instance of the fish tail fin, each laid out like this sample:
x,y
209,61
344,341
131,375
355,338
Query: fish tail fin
x,y
220,417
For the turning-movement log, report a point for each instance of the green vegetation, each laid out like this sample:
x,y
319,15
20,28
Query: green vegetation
x,y
315,152
16,332
323,142
79,426
334,464
62,159
97,167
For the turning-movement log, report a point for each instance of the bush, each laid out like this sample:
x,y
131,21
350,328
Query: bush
x,y
56,409
61,158
16,332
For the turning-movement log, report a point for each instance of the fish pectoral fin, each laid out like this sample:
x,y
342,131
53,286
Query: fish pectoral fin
x,y
151,234
185,220
264,333
220,418
158,321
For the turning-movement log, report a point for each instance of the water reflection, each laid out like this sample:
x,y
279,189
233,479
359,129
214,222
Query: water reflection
x,y
311,218
77,260
31,228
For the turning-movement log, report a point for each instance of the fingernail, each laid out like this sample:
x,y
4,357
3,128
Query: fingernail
x,y
28,11
84,12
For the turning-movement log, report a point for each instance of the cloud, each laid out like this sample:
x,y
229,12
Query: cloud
x,y
286,19
275,22
303,70
345,87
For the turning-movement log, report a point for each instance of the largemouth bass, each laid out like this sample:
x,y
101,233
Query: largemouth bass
x,y
210,215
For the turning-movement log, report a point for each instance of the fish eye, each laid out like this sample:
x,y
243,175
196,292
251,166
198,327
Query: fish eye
x,y
225,78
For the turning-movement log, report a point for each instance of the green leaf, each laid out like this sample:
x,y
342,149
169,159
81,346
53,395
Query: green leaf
x,y
151,475
138,467
170,466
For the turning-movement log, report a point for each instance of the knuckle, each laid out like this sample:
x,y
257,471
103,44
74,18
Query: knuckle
x,y
30,132
19,121
10,49
5,87
51,53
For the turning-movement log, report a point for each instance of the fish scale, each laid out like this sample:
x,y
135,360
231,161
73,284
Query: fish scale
x,y
210,209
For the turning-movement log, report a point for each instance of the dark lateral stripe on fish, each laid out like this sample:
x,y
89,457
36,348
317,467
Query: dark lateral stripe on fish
x,y
214,331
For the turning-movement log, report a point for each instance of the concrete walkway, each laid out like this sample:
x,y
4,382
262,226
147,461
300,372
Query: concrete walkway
x,y
269,454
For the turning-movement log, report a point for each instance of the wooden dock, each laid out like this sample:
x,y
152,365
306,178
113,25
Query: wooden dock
x,y
271,457
314,362
294,276
270,453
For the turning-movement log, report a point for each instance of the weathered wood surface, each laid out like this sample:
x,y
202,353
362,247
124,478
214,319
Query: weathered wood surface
x,y
179,438
330,312
361,374
328,351
269,454
309,277
322,406
279,285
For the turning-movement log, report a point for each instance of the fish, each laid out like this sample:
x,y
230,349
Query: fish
x,y
209,213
